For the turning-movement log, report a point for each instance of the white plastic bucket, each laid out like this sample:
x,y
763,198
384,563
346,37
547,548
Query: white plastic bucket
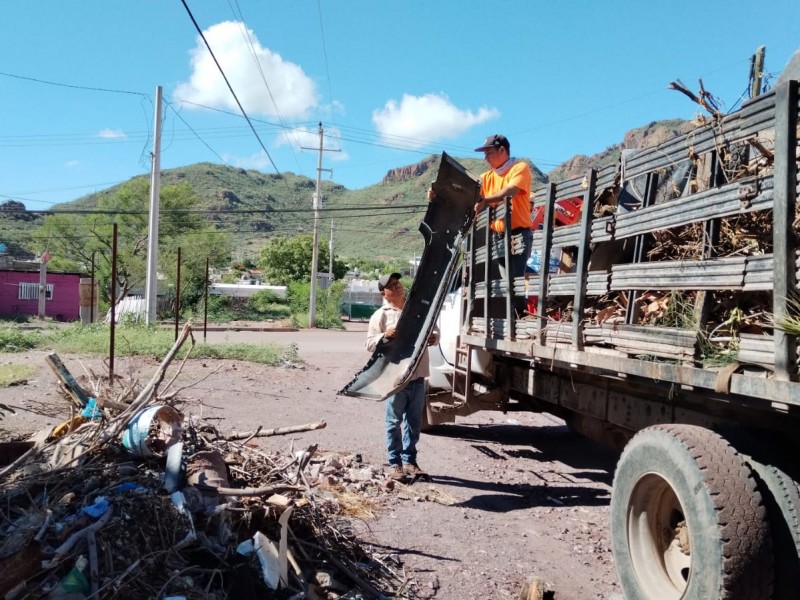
x,y
152,431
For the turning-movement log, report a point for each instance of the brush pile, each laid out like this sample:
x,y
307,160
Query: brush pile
x,y
130,499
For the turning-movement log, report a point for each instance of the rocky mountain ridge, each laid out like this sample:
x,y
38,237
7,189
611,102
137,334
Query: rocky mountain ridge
x,y
254,206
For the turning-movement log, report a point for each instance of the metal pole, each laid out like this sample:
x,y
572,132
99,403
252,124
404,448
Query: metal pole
x,y
205,306
330,254
113,305
91,307
178,295
42,285
151,286
312,309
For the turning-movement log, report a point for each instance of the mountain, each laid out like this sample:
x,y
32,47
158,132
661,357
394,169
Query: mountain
x,y
380,221
653,134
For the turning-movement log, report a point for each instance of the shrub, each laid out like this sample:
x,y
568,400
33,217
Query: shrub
x,y
266,300
13,339
220,309
328,301
298,295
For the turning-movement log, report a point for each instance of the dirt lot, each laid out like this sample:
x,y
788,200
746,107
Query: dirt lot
x,y
512,496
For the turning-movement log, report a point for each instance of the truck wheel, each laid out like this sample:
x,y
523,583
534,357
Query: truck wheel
x,y
782,500
783,507
687,521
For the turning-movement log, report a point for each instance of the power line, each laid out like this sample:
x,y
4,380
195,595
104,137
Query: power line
x,y
233,93
232,211
325,55
249,40
177,114
76,87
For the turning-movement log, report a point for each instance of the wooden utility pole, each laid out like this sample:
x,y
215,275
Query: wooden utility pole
x,y
151,286
757,71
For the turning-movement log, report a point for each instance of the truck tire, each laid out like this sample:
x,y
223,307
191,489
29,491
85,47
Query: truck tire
x,y
687,521
783,508
781,496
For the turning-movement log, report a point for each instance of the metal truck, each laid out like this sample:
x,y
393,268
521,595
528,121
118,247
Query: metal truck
x,y
665,330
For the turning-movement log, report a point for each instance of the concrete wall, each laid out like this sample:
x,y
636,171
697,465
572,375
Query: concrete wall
x,y
63,306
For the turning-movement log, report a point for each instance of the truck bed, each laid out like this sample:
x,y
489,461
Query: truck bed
x,y
631,371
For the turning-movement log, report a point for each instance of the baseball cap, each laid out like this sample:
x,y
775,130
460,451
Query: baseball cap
x,y
383,281
494,141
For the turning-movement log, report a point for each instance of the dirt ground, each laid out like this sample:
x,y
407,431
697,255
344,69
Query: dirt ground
x,y
512,496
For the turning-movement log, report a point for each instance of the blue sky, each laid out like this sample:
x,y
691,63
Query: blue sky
x,y
391,81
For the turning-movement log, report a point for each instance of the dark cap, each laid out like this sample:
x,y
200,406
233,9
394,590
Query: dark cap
x,y
494,141
383,281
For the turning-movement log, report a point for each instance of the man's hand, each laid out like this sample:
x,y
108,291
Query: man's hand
x,y
432,191
390,332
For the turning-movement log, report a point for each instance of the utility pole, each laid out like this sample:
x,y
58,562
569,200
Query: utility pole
x,y
330,253
151,287
757,71
43,283
312,309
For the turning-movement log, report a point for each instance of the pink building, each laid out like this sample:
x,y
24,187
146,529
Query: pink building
x,y
19,294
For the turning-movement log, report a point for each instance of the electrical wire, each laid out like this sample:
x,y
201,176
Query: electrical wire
x,y
231,211
249,41
233,93
325,54
72,86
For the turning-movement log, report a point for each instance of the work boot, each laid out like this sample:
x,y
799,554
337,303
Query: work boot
x,y
396,473
413,471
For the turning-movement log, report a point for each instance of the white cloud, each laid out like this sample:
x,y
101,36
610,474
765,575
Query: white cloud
x,y
418,120
299,137
294,93
71,164
258,161
112,134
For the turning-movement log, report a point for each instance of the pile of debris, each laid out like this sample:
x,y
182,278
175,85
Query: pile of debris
x,y
130,499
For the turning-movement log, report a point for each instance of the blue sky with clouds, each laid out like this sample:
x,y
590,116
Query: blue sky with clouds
x,y
391,81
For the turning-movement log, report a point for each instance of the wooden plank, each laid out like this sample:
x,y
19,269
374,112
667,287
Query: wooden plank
x,y
67,381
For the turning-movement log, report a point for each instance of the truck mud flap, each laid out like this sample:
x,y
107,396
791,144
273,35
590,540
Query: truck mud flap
x,y
447,220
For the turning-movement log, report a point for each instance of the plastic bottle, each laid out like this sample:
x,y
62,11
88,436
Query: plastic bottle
x,y
554,263
74,585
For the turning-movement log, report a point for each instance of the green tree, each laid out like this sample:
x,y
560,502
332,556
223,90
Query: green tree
x,y
77,237
285,260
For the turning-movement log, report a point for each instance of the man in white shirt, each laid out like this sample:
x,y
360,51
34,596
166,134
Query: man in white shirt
x,y
404,408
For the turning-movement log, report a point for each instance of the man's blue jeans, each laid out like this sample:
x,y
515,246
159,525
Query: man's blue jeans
x,y
404,422
518,264
518,261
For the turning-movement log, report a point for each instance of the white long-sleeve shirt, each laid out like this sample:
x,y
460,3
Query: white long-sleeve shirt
x,y
385,317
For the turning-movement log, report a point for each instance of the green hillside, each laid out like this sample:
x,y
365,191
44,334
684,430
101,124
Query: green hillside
x,y
17,229
380,221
